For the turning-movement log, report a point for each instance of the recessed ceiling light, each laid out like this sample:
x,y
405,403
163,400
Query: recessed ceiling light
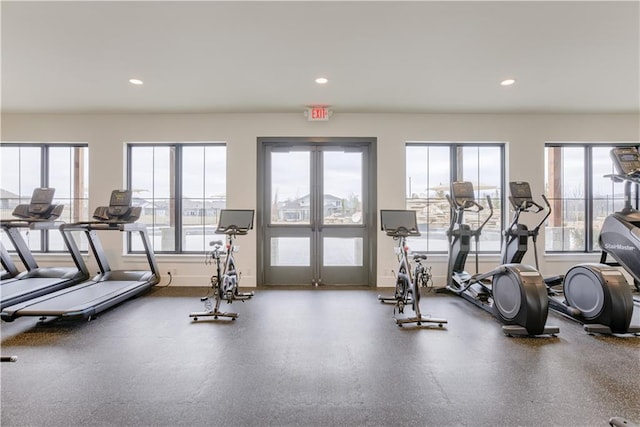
x,y
507,82
136,81
322,80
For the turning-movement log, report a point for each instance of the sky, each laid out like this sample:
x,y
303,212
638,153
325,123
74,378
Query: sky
x,y
291,173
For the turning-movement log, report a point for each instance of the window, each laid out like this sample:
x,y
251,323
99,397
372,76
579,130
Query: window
x,y
26,166
430,169
181,188
579,194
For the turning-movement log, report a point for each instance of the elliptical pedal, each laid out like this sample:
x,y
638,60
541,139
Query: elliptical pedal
x,y
515,330
597,328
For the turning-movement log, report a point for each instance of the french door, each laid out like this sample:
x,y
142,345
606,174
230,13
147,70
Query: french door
x,y
316,225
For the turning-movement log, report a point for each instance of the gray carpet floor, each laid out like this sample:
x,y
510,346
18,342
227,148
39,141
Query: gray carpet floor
x,y
316,357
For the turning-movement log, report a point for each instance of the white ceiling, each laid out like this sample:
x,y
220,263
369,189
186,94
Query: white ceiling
x,y
394,56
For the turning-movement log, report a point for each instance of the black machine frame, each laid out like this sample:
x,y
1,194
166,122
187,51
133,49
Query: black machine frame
x,y
400,224
226,280
513,293
39,214
596,295
109,287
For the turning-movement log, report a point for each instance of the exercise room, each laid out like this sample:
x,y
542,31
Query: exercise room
x,y
320,213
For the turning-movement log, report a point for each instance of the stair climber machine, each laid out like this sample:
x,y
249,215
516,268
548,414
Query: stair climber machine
x,y
513,293
596,295
620,233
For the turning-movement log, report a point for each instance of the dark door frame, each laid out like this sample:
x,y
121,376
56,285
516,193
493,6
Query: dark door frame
x,y
370,216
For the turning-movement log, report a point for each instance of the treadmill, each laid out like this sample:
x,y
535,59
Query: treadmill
x,y
108,287
9,269
39,214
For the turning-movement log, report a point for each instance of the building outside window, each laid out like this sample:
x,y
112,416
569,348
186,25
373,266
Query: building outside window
x,y
28,165
430,169
581,197
181,188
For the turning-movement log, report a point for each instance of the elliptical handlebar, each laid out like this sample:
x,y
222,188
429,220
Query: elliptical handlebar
x,y
633,176
548,205
459,209
526,206
486,220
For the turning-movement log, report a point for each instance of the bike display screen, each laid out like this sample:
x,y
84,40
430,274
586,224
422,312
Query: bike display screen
x,y
396,220
240,219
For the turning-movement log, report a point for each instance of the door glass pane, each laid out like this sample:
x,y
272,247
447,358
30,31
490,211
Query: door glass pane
x,y
339,251
290,251
290,188
342,184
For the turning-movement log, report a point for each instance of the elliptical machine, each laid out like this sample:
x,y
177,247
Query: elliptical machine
x,y
596,295
514,293
620,233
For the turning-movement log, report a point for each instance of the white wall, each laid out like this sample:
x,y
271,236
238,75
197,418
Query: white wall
x,y
107,134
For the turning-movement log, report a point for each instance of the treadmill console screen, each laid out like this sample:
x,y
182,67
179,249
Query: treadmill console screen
x,y
120,198
120,202
520,192
393,220
462,192
626,160
41,200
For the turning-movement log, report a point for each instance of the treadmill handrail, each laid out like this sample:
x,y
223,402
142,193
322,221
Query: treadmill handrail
x,y
90,227
102,225
35,224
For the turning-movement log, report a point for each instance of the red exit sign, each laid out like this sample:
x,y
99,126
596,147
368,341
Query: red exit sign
x,y
318,114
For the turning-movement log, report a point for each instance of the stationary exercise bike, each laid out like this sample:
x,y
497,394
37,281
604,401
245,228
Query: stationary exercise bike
x,y
620,234
513,293
596,295
225,282
401,224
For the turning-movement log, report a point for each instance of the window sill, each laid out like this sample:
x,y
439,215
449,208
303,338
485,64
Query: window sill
x,y
572,257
